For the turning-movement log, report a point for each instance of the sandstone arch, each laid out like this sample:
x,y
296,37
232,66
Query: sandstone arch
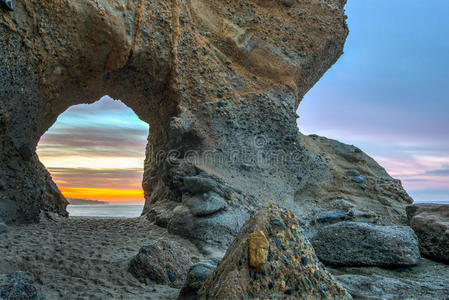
x,y
209,77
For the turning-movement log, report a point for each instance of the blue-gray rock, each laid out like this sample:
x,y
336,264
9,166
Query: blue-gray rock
x,y
362,244
332,216
207,204
18,286
199,185
359,179
197,275
213,233
426,281
8,4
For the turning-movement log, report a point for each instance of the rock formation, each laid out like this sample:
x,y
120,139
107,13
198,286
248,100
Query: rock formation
x,y
362,244
271,259
218,82
164,262
431,224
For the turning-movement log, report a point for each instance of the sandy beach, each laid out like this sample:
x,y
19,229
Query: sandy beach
x,y
84,258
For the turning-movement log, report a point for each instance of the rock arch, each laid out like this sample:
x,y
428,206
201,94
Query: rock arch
x,y
222,78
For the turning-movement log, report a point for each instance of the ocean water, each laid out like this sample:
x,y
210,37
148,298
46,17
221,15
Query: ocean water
x,y
106,211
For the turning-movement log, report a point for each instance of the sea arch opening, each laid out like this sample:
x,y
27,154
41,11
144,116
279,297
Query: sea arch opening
x,y
95,154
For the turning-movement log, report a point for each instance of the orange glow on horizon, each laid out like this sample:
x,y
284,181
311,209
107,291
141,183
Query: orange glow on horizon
x,y
103,194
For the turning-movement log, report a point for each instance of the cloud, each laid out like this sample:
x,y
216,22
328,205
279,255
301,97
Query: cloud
x,y
86,137
443,172
98,178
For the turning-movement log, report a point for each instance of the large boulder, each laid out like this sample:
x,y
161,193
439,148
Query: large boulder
x,y
18,286
271,259
161,261
362,244
431,224
428,280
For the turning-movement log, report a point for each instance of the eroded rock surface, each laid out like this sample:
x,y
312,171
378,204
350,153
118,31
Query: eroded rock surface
x,y
362,244
164,262
219,82
196,277
18,286
431,224
271,259
427,280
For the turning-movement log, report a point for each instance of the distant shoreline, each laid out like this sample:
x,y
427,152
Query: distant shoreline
x,y
74,201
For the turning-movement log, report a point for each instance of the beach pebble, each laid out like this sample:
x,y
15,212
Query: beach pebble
x,y
359,179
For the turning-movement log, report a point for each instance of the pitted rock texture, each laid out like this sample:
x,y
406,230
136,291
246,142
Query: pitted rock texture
x,y
431,224
428,280
286,267
164,262
18,286
362,244
218,82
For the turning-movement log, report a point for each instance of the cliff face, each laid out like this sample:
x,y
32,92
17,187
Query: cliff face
x,y
217,81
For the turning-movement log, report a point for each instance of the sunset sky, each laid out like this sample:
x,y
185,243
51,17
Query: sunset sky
x,y
388,94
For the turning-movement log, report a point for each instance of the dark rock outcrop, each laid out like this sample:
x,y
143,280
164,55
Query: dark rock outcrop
x,y
362,244
431,224
271,259
164,262
18,286
7,5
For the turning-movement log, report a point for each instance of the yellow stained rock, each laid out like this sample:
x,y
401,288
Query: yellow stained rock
x,y
257,249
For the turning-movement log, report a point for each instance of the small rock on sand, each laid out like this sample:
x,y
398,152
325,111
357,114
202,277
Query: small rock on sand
x,y
18,286
164,262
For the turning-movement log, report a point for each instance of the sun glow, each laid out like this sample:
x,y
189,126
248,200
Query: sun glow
x,y
103,194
